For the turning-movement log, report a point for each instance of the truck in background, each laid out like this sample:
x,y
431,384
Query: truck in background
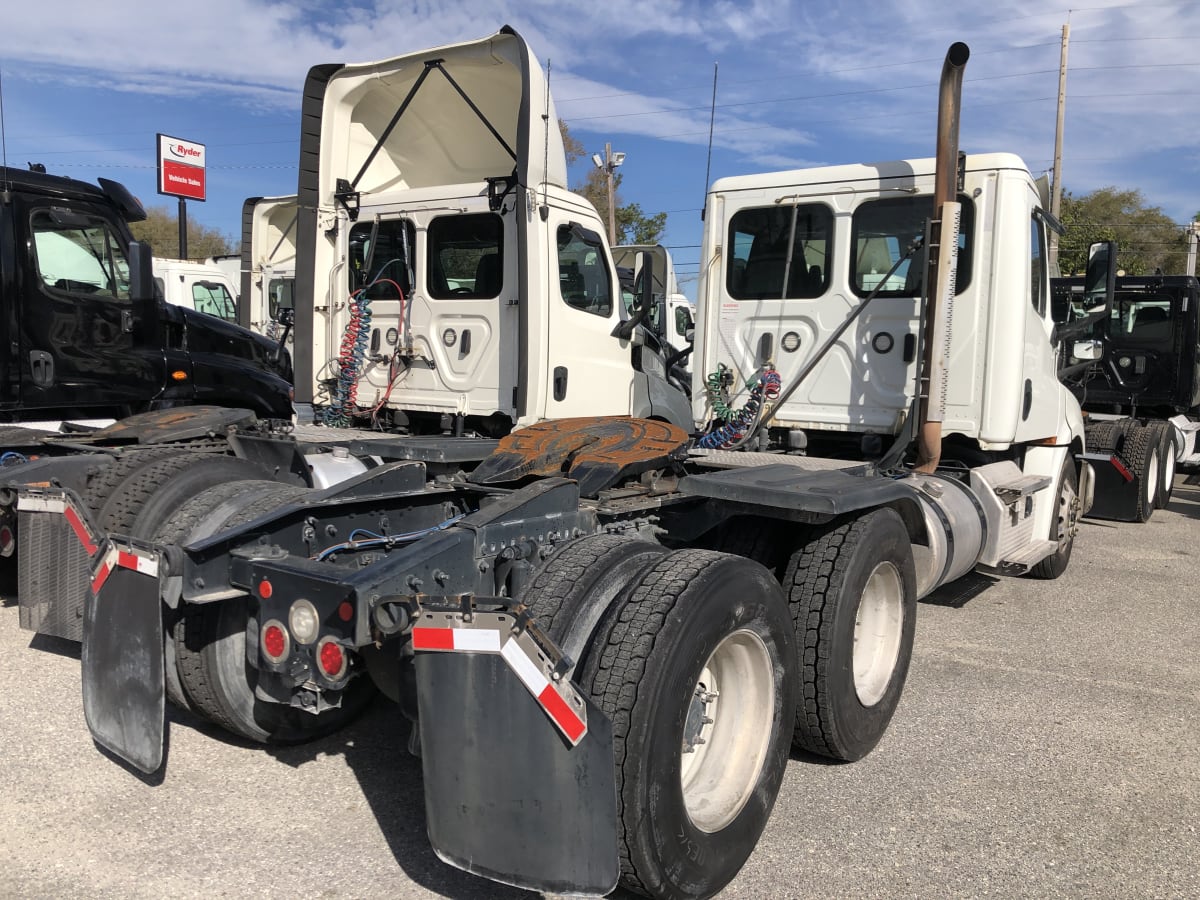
x,y
1136,373
676,321
631,628
202,286
267,265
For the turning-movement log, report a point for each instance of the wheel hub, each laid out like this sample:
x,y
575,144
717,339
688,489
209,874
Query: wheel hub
x,y
878,627
727,731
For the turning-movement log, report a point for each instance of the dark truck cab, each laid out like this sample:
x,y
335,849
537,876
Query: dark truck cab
x,y
1136,374
83,333
1149,365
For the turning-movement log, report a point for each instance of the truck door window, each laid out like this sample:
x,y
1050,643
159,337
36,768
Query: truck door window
x,y
583,276
882,230
466,255
760,261
1037,279
1142,318
683,320
213,298
381,262
279,295
79,254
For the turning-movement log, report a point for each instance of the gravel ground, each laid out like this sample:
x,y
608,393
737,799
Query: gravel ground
x,y
1046,745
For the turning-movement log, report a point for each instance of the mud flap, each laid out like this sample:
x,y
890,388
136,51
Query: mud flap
x,y
1116,487
507,796
123,687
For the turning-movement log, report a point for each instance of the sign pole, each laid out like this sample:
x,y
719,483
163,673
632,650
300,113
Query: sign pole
x,y
182,229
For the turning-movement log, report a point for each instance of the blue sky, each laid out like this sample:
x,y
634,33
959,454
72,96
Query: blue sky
x,y
86,86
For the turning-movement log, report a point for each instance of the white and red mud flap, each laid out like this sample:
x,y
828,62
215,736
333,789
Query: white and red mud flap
x,y
124,693
1116,487
518,764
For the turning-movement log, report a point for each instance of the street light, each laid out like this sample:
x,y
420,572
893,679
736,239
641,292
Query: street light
x,y
609,163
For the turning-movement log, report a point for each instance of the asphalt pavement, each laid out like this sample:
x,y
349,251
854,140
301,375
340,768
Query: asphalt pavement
x,y
1046,746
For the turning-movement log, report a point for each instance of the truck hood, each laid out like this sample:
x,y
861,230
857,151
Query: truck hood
x,y
237,342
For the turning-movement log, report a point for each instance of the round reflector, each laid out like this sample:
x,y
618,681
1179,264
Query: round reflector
x,y
265,590
345,610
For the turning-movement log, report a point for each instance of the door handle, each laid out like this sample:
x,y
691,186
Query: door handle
x,y
41,366
126,321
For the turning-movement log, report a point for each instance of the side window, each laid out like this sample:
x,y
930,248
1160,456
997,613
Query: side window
x,y
78,254
466,256
882,230
1037,266
683,320
761,257
213,298
583,276
380,261
279,295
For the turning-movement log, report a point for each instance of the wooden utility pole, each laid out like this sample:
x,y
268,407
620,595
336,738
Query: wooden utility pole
x,y
1056,196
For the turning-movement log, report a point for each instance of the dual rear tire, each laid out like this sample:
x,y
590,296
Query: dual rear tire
x,y
711,670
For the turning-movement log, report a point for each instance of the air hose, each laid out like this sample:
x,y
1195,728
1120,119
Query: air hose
x,y
737,424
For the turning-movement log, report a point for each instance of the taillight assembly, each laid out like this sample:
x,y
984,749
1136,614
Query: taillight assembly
x,y
275,641
331,657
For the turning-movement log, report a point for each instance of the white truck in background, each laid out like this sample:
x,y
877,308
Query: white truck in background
x,y
267,263
678,313
202,286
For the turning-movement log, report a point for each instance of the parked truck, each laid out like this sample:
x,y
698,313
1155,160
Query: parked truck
x,y
202,286
608,610
267,263
1136,373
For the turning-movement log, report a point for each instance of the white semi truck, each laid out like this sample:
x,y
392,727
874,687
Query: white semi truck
x,y
267,262
609,611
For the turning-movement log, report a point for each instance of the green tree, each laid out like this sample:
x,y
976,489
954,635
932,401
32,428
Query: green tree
x,y
1147,239
161,229
634,226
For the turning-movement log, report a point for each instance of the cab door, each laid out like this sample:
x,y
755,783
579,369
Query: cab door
x,y
589,372
84,341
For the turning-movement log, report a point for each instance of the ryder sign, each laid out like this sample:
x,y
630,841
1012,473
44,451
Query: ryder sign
x,y
180,168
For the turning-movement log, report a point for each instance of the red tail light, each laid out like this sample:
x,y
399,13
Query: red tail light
x,y
275,641
332,658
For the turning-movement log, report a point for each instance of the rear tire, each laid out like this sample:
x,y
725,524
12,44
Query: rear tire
x,y
1166,461
579,582
1062,529
853,595
1142,452
697,775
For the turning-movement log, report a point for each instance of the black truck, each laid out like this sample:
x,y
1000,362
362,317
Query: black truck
x,y
1136,374
86,339
83,332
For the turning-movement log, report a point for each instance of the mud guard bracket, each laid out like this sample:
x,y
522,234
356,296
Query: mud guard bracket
x,y
506,795
123,679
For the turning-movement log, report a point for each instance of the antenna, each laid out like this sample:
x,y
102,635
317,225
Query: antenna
x,y
711,118
3,133
546,148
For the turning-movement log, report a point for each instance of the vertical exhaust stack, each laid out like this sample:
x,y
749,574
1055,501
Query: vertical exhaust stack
x,y
943,260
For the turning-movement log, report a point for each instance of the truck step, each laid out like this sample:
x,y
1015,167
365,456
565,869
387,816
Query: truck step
x,y
737,459
1031,554
1021,486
